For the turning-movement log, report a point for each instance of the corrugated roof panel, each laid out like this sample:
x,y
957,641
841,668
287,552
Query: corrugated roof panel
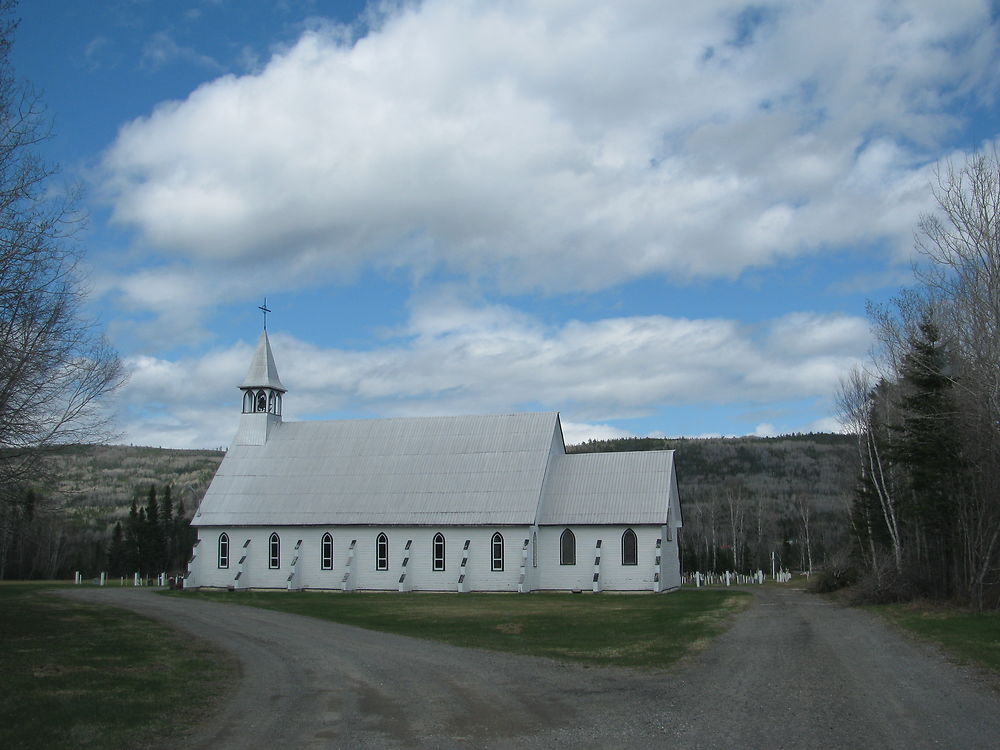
x,y
456,470
608,488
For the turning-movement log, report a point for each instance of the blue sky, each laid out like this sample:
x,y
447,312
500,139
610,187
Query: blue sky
x,y
655,218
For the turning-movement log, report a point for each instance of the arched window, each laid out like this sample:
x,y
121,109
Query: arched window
x,y
496,547
630,548
326,552
274,551
277,404
270,402
567,548
261,401
223,550
381,552
437,552
247,402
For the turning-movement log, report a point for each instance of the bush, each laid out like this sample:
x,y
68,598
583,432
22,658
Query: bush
x,y
883,585
838,573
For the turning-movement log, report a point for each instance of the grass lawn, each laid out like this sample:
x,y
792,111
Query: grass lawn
x,y
971,637
608,629
78,675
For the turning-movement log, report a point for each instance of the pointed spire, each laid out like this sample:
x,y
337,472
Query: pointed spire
x,y
263,373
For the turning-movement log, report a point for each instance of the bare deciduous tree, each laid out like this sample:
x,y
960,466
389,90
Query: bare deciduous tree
x,y
54,364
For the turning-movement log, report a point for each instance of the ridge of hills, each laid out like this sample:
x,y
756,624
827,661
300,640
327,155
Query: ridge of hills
x,y
743,500
95,483
818,465
100,481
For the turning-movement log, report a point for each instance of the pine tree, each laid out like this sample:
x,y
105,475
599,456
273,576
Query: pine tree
x,y
927,444
133,540
117,552
167,531
155,562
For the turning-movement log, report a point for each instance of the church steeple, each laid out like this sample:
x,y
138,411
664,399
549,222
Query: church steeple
x,y
262,388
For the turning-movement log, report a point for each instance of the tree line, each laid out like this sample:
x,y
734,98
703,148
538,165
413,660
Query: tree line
x,y
153,540
925,413
745,500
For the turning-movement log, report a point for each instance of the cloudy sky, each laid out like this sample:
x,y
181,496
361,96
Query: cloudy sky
x,y
656,218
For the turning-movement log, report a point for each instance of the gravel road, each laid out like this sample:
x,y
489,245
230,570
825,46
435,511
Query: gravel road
x,y
794,672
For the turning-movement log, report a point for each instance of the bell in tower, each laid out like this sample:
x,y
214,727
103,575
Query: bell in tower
x,y
262,392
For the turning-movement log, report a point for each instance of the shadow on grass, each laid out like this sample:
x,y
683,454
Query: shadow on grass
x,y
80,675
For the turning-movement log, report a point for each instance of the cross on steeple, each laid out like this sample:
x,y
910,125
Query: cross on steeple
x,y
264,309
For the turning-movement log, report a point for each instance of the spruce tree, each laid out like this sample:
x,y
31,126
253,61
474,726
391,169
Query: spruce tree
x,y
167,531
927,444
154,534
117,552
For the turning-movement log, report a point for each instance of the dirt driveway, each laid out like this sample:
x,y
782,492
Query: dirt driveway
x,y
795,672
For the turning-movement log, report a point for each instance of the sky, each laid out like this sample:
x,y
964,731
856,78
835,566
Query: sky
x,y
655,218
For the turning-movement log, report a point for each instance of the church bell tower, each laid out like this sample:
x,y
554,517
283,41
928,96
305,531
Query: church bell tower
x,y
262,392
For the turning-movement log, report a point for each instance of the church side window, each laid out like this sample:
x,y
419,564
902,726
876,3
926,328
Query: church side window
x,y
630,548
223,550
438,552
496,558
274,551
326,552
567,548
381,552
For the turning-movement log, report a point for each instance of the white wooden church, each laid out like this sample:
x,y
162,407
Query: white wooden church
x,y
482,503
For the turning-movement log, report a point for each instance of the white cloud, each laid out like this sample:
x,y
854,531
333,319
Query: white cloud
x,y
575,433
765,429
459,359
559,146
161,49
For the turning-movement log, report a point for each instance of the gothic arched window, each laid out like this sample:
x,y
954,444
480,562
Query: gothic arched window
x,y
496,550
567,548
630,548
274,551
437,552
381,552
326,552
261,401
223,550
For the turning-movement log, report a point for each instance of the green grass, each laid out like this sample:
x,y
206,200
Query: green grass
x,y
79,675
622,630
970,637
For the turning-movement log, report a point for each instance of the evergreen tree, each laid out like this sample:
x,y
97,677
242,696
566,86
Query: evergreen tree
x,y
133,540
155,562
184,536
927,445
167,531
117,552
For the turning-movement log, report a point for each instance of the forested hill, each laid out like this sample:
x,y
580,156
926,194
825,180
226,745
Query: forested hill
x,y
99,481
744,498
64,521
741,499
818,464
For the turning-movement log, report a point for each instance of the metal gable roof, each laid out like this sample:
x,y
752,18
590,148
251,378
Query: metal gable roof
x,y
483,470
635,487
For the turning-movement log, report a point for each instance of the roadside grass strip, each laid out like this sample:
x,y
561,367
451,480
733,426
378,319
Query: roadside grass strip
x,y
609,630
970,637
79,675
